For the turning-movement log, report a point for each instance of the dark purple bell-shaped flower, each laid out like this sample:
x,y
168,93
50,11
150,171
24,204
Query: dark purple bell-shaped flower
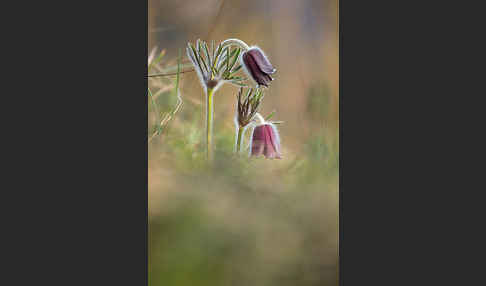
x,y
265,140
258,66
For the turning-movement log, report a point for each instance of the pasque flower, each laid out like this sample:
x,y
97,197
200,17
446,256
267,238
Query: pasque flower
x,y
217,65
265,140
255,62
258,66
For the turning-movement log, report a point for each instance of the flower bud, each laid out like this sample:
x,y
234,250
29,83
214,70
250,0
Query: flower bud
x,y
248,107
265,140
258,66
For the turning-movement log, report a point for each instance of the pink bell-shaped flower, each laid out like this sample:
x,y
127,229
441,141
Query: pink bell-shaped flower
x,y
265,140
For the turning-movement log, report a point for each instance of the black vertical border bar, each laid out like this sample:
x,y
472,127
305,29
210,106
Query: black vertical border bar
x,y
85,146
340,33
145,132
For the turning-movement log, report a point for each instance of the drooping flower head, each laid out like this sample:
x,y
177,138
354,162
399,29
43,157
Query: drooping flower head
x,y
254,61
265,140
258,66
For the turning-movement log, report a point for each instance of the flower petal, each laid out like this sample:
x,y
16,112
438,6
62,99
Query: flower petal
x,y
265,141
273,146
261,60
253,69
257,142
269,151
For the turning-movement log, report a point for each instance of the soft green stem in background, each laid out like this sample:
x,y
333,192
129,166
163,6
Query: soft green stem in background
x,y
157,115
209,123
239,139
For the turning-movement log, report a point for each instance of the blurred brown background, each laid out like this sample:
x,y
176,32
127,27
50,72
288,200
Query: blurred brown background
x,y
248,223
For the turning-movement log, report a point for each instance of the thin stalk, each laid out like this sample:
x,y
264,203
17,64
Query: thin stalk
x,y
209,123
169,74
239,139
156,110
236,42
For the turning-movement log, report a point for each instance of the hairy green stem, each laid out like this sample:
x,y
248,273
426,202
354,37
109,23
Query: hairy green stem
x,y
239,139
236,42
209,123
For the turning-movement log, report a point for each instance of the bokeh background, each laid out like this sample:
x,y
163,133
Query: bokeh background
x,y
246,221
